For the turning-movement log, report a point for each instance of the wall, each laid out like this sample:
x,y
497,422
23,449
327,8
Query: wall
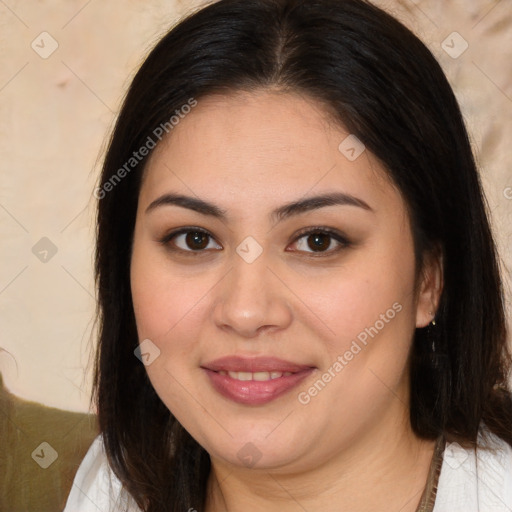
x,y
55,114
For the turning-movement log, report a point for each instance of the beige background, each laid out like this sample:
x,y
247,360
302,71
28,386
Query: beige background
x,y
55,114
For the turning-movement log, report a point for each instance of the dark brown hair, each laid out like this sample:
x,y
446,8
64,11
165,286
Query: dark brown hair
x,y
383,84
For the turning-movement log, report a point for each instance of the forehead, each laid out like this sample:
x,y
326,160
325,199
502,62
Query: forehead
x,y
259,148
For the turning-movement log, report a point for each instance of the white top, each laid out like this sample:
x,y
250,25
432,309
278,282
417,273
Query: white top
x,y
468,482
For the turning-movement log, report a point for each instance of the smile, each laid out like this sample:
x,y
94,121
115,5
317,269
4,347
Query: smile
x,y
259,376
254,380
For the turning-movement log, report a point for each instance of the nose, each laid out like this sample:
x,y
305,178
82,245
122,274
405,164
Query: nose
x,y
252,298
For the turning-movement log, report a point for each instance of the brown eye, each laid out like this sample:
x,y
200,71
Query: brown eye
x,y
321,241
196,240
188,240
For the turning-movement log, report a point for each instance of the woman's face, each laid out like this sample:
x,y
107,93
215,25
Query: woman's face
x,y
318,325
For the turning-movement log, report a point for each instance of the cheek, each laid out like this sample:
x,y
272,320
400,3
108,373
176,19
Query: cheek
x,y
372,293
162,298
166,307
372,314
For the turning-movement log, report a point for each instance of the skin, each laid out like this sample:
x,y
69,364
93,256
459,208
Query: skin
x,y
351,446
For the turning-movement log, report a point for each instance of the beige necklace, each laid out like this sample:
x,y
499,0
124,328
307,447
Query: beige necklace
x,y
428,497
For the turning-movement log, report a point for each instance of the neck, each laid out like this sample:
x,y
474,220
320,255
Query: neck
x,y
385,466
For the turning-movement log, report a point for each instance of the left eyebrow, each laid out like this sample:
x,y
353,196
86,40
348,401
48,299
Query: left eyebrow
x,y
277,215
316,202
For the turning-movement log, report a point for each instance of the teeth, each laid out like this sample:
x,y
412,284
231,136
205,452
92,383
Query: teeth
x,y
242,375
261,376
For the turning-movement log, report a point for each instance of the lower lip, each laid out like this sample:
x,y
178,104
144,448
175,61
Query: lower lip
x,y
255,392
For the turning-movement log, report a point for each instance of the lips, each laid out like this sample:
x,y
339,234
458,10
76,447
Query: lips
x,y
254,381
253,365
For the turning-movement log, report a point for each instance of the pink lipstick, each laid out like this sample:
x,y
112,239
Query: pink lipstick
x,y
256,380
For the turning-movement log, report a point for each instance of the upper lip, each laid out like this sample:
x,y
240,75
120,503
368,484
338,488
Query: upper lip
x,y
254,364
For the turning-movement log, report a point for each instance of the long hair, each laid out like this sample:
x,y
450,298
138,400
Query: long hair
x,y
382,83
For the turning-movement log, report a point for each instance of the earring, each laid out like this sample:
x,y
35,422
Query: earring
x,y
433,323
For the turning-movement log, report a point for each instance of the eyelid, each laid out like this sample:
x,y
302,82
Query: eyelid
x,y
335,234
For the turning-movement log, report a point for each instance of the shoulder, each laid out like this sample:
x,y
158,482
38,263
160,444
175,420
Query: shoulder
x,y
96,487
476,480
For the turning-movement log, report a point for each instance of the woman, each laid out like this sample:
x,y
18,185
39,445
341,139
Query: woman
x,y
299,296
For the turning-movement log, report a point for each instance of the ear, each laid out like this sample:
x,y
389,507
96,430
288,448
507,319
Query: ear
x,y
430,287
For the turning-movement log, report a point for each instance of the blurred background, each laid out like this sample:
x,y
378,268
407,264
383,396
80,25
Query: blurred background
x,y
65,68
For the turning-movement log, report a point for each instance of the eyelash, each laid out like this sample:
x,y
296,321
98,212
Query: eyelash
x,y
333,234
